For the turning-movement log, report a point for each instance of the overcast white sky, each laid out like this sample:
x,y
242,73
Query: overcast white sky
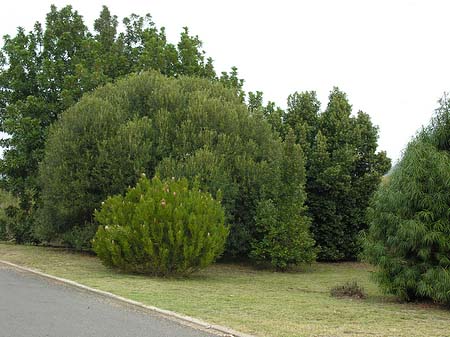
x,y
390,57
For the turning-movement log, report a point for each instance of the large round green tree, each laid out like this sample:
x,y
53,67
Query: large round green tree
x,y
185,127
409,236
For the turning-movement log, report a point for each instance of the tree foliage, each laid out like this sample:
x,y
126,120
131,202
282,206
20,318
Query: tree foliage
x,y
186,127
47,70
160,228
282,225
409,235
343,168
261,157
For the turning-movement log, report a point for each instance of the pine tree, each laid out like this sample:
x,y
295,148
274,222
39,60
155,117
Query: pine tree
x,y
409,235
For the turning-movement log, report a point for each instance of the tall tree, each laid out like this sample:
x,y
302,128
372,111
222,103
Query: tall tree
x,y
192,60
282,223
343,169
408,239
37,67
272,113
109,56
302,117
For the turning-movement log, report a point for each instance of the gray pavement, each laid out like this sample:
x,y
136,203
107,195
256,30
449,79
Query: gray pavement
x,y
32,306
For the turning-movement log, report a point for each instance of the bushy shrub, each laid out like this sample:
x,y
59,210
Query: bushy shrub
x,y
3,235
19,225
160,228
80,238
7,200
16,219
409,236
349,289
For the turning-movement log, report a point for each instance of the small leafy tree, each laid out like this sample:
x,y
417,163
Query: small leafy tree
x,y
409,235
160,228
283,226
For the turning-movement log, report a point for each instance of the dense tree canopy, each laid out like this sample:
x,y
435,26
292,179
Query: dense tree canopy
x,y
186,127
343,168
45,71
262,158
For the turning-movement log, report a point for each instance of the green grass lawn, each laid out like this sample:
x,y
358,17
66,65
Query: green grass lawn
x,y
263,303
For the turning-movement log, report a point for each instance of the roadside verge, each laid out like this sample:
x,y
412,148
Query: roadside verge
x,y
185,320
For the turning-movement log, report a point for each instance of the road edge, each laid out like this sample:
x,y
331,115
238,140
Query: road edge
x,y
187,320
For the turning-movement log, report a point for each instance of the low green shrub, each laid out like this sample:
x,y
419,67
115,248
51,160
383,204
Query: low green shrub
x,y
348,289
7,200
160,228
3,236
19,225
16,218
80,238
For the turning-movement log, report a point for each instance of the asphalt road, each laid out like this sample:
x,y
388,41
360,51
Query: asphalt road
x,y
32,306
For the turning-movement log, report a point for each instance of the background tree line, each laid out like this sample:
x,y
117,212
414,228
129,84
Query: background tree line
x,y
343,167
287,177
